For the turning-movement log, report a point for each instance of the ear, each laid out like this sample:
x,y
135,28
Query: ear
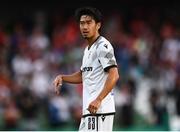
x,y
98,25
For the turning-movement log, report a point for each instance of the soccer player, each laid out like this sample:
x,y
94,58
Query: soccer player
x,y
98,74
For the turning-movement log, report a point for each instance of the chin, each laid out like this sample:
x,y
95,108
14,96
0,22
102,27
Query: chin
x,y
85,37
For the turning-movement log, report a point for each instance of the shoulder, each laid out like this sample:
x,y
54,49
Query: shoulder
x,y
104,44
86,49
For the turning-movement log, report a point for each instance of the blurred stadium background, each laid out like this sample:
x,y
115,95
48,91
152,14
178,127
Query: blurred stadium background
x,y
38,40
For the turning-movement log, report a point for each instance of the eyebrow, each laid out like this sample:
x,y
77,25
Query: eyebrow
x,y
86,20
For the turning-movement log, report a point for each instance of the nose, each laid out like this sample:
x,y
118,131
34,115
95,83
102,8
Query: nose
x,y
85,27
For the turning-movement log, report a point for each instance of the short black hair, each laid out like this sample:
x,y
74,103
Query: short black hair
x,y
90,11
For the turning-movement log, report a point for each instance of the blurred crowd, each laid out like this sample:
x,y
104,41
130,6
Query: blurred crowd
x,y
32,53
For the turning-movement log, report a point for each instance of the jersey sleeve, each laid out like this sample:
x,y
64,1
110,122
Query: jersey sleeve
x,y
81,67
105,53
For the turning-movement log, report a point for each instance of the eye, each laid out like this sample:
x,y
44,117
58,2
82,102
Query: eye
x,y
89,22
82,23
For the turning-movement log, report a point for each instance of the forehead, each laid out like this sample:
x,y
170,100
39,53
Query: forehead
x,y
86,18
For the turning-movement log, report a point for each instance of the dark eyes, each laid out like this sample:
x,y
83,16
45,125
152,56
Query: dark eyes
x,y
87,22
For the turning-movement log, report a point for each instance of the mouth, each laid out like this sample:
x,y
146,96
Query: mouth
x,y
85,32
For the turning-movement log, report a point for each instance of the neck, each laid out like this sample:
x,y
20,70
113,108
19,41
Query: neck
x,y
92,39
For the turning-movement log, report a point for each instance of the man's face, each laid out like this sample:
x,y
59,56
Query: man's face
x,y
88,26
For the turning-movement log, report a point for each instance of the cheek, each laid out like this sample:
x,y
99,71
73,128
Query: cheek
x,y
93,29
80,27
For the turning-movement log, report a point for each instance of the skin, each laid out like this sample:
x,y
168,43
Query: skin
x,y
90,31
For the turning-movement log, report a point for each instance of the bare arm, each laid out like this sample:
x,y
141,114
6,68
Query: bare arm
x,y
73,78
109,84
